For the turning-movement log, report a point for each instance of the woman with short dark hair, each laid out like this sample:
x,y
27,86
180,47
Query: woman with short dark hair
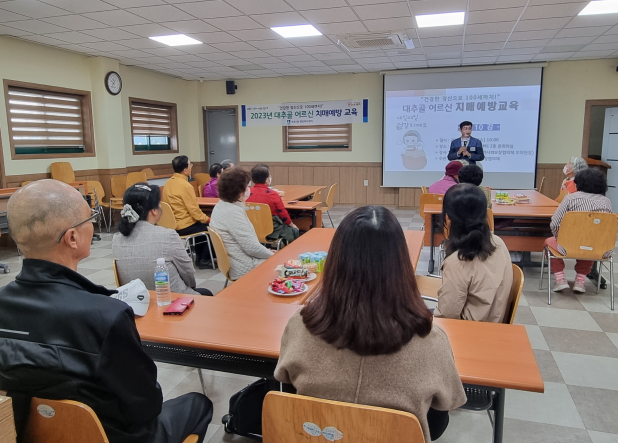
x,y
590,197
139,243
477,273
367,336
473,174
210,188
229,219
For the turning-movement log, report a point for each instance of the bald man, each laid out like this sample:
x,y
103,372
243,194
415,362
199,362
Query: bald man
x,y
63,337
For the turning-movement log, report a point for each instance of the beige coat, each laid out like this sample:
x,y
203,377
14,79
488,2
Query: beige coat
x,y
421,375
476,290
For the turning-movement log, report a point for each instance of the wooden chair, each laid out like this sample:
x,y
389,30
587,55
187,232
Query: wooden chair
x,y
540,189
201,179
292,418
67,421
115,272
329,202
261,218
429,199
319,195
149,172
26,182
119,186
62,171
97,192
584,236
223,260
490,219
424,190
563,193
169,221
516,289
135,177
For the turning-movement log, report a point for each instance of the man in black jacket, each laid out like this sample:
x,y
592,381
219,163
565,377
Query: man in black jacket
x,y
63,337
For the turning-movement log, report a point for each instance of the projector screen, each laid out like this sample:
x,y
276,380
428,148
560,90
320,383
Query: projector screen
x,y
422,113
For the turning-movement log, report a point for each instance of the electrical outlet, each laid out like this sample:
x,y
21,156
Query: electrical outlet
x,y
366,182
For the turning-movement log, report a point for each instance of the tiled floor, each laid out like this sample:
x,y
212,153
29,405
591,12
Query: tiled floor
x,y
575,342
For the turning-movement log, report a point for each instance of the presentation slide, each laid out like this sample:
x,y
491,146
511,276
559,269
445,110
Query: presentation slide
x,y
420,124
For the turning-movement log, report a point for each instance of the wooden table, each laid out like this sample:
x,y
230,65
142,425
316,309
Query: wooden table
x,y
527,233
253,286
243,337
536,198
297,192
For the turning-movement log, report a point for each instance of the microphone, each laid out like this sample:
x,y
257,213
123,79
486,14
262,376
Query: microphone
x,y
465,144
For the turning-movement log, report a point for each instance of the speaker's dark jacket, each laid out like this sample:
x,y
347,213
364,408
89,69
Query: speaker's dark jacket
x,y
63,337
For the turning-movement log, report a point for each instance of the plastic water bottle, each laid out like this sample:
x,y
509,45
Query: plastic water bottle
x,y
162,283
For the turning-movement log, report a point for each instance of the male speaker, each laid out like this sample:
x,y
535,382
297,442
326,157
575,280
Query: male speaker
x,y
466,147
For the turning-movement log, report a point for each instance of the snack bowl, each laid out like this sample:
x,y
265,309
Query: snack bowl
x,y
287,288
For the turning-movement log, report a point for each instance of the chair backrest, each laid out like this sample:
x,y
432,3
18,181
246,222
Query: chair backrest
x,y
94,185
428,199
330,197
119,185
167,217
424,190
115,272
320,195
201,179
563,193
588,235
490,219
135,177
26,182
223,261
149,172
63,421
62,171
540,190
200,191
294,418
261,219
516,289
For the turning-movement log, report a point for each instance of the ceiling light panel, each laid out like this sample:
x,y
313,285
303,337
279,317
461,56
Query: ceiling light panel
x,y
600,7
176,40
447,19
296,31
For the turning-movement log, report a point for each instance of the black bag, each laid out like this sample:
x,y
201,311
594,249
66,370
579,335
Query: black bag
x,y
245,416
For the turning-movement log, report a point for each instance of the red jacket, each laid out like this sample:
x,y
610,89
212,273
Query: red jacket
x,y
261,194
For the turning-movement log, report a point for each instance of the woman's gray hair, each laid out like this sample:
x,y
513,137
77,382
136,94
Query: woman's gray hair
x,y
578,164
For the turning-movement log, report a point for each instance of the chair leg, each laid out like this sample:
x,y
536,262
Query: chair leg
x,y
212,259
331,220
225,284
548,278
599,279
611,279
109,227
542,269
199,372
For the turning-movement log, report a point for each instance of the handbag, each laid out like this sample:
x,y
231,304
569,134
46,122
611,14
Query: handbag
x,y
245,413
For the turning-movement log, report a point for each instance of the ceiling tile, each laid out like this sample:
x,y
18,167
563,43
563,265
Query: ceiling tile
x,y
189,26
253,53
310,64
301,5
486,38
444,62
592,54
479,60
280,19
116,18
256,34
152,59
489,28
331,15
111,34
533,35
234,23
331,56
74,37
436,6
8,16
404,59
581,21
373,60
163,52
527,43
184,58
105,46
161,13
551,11
521,51
389,24
148,30
541,24
441,31
33,8
611,38
491,53
582,32
442,41
270,44
481,5
135,3
563,48
573,41
132,53
300,58
209,9
552,2
263,60
341,28
411,65
203,64
260,7
285,51
279,65
322,49
141,43
494,15
556,56
601,47
304,42
43,39
214,37
484,46
217,56
434,50
233,46
231,61
383,10
515,58
75,22
37,26
201,50
81,6
6,30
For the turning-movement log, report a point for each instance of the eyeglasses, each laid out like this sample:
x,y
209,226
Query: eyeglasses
x,y
94,217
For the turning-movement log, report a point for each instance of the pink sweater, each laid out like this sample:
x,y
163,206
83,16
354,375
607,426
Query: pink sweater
x,y
442,185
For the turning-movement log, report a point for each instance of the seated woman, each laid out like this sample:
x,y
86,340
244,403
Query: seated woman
x,y
210,188
367,337
477,273
282,222
573,166
230,221
139,243
473,174
450,178
590,197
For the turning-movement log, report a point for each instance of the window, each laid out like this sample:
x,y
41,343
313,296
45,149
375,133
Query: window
x,y
153,126
317,138
48,122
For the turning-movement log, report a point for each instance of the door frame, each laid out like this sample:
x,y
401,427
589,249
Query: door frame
x,y
588,117
2,173
204,113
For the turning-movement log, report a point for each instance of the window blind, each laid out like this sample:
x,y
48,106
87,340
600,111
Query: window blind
x,y
151,120
45,119
318,136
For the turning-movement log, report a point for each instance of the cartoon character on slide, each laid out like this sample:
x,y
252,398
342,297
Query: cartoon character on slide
x,y
413,155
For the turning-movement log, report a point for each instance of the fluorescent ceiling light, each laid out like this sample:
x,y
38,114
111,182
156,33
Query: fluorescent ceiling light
x,y
296,31
447,19
176,40
600,7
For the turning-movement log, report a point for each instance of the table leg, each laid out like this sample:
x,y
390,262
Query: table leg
x,y
594,276
498,414
431,230
314,218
